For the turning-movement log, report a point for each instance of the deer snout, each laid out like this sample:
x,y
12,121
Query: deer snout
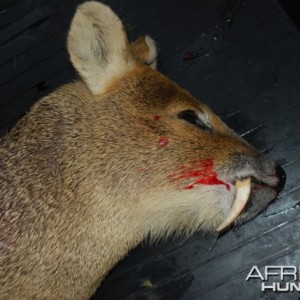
x,y
267,181
259,168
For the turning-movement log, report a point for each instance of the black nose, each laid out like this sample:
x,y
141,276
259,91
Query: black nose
x,y
282,178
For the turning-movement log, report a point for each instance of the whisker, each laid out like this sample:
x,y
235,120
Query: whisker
x,y
216,235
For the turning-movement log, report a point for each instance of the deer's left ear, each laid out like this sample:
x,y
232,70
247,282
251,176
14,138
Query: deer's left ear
x,y
98,46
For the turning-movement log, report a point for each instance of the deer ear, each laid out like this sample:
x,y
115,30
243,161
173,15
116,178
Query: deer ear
x,y
98,45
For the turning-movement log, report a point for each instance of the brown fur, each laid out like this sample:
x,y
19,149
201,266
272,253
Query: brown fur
x,y
84,178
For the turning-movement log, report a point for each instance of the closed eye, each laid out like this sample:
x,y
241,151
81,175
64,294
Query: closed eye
x,y
191,117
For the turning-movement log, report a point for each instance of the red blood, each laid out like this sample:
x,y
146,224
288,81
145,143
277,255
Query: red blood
x,y
210,180
203,171
190,55
163,141
157,118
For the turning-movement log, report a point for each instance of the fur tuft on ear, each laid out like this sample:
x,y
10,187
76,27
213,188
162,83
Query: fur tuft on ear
x,y
98,45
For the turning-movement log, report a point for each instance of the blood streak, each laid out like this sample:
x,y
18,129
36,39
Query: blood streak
x,y
163,141
203,171
156,117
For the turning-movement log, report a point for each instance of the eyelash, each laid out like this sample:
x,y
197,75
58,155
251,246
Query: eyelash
x,y
191,117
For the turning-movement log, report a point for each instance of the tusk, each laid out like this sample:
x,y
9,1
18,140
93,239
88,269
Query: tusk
x,y
243,189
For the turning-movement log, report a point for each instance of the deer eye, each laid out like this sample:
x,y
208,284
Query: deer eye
x,y
191,117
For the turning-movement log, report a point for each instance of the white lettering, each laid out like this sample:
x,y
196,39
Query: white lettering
x,y
282,272
264,287
285,272
269,273
283,278
281,288
252,276
295,286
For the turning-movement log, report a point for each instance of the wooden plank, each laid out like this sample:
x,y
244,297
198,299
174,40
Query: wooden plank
x,y
39,27
21,104
37,74
16,9
25,61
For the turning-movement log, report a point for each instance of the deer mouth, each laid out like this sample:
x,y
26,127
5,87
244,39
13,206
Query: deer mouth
x,y
252,197
243,189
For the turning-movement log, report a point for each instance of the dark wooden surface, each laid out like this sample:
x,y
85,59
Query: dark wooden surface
x,y
242,57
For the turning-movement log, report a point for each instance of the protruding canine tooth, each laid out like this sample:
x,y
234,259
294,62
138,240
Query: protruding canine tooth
x,y
243,189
